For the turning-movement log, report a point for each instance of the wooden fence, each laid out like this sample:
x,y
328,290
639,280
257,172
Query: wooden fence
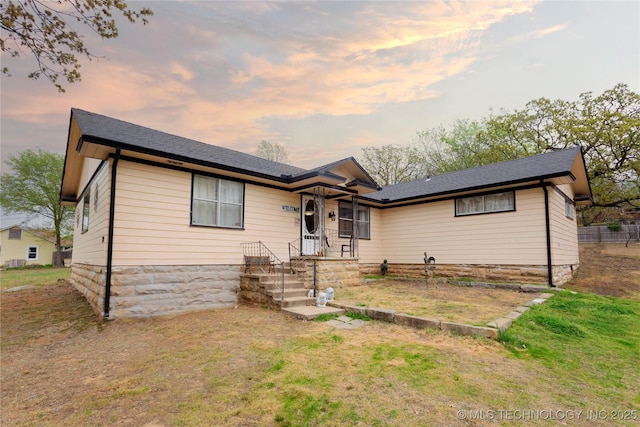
x,y
602,233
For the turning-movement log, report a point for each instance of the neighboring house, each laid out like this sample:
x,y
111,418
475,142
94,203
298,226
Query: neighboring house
x,y
20,247
162,222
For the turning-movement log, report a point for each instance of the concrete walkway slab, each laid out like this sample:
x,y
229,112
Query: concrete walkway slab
x,y
310,312
345,322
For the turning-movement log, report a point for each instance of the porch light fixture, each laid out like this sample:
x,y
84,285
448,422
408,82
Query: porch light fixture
x,y
332,216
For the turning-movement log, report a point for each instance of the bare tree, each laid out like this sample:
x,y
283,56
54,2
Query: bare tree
x,y
392,164
272,151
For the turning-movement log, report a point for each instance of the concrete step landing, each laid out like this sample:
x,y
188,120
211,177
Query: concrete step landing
x,y
310,312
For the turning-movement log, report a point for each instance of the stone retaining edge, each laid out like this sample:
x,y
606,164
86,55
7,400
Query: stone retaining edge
x,y
492,330
393,316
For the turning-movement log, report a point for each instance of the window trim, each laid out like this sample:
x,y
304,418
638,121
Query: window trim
x,y
484,211
350,207
569,210
86,211
242,204
37,253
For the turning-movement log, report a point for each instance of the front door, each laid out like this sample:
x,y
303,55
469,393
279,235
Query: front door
x,y
312,210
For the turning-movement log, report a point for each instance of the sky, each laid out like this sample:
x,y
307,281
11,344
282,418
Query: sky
x,y
325,79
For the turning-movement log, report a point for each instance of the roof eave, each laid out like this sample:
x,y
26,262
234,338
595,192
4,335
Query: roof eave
x,y
466,190
92,139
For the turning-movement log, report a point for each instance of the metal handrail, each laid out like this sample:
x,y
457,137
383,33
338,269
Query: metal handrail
x,y
261,251
295,251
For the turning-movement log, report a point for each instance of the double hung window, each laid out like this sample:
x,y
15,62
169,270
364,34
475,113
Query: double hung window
x,y
345,216
32,253
217,202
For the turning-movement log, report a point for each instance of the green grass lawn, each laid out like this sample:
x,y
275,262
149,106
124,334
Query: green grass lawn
x,y
591,339
576,352
32,276
252,366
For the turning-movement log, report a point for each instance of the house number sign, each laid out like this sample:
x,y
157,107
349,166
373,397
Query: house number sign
x,y
287,208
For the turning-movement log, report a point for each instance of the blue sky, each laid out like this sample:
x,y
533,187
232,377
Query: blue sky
x,y
328,78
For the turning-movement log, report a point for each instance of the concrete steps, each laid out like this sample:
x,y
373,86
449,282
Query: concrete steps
x,y
289,302
288,293
294,300
295,294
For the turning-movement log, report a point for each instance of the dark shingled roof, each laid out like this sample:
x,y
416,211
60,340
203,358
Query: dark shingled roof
x,y
112,132
109,131
543,166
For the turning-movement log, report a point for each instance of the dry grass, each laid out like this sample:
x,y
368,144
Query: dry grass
x,y
253,366
444,301
609,269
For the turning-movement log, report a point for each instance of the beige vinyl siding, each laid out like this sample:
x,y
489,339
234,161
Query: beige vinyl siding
x,y
371,250
368,248
332,226
89,167
517,237
266,221
90,247
564,230
152,221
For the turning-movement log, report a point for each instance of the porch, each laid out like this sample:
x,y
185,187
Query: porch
x,y
294,284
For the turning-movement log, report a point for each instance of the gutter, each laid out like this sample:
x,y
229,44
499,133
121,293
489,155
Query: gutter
x,y
112,209
547,221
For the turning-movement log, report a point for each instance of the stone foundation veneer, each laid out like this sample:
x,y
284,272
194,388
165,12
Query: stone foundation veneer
x,y
89,280
147,291
330,272
494,272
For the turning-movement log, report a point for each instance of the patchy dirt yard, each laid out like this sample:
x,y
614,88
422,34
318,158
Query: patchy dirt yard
x,y
609,269
252,366
437,300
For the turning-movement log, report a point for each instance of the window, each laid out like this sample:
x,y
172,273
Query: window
x,y
345,216
85,211
95,198
568,209
217,202
15,233
32,253
497,202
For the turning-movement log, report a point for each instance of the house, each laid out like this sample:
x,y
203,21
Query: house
x,y
165,224
20,247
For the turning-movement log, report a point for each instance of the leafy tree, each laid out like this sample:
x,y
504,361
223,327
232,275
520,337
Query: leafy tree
x,y
34,188
606,126
272,151
392,164
447,150
44,29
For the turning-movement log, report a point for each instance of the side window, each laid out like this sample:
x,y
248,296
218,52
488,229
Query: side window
x,y
32,253
15,233
345,217
86,204
217,202
95,198
568,209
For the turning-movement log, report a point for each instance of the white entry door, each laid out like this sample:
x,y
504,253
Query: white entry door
x,y
312,209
